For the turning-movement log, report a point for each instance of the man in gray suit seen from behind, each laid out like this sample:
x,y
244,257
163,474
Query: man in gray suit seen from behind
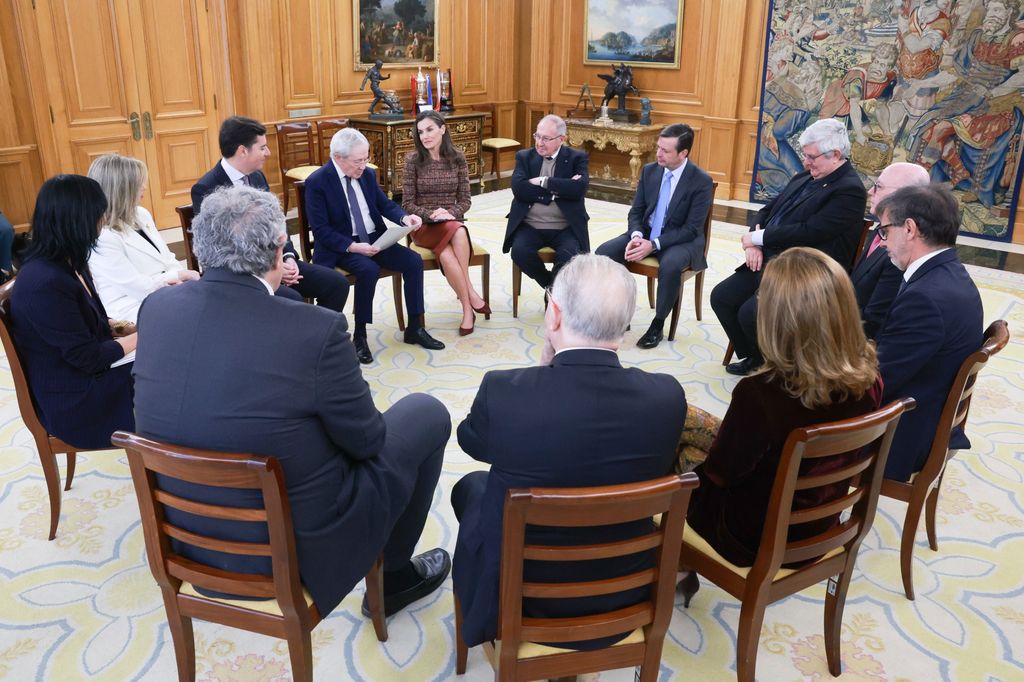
x,y
666,221
226,365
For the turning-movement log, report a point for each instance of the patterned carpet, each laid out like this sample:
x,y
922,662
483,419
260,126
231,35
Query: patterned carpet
x,y
85,605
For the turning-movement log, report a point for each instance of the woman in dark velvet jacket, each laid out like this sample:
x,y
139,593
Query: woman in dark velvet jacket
x,y
818,367
60,328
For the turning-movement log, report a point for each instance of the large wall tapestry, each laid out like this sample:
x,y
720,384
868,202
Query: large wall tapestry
x,y
935,82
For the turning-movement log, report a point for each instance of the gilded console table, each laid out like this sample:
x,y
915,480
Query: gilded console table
x,y
392,140
607,146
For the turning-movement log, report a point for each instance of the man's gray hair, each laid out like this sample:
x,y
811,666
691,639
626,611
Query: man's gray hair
x,y
597,297
345,140
829,134
239,228
556,120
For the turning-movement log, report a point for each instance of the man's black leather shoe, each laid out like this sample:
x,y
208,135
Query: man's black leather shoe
x,y
743,367
362,350
651,338
432,566
420,337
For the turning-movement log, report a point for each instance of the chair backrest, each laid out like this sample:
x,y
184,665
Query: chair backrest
x,y
296,145
146,458
21,387
589,507
707,220
185,216
864,232
958,402
326,127
489,124
305,234
870,436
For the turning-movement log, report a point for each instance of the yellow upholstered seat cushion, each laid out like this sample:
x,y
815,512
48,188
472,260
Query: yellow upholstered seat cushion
x,y
499,143
534,650
694,540
269,606
650,262
428,255
300,172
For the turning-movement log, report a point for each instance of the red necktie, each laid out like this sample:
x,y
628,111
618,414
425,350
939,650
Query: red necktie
x,y
874,243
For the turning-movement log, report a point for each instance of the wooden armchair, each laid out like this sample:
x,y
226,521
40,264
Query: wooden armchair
x,y
47,446
297,154
649,268
856,255
306,243
185,216
493,144
921,493
326,127
289,613
480,257
767,581
519,655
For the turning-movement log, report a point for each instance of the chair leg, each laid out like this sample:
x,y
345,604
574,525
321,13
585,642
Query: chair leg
x,y
650,291
728,355
396,290
517,281
300,651
181,635
675,315
461,650
52,476
914,508
930,506
835,602
375,598
287,190
749,636
698,295
485,277
72,459
651,666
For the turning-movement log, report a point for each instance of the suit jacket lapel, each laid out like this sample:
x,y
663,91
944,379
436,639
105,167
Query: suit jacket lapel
x,y
946,256
677,195
536,161
136,241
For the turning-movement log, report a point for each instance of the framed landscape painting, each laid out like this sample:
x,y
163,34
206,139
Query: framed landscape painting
x,y
400,32
634,32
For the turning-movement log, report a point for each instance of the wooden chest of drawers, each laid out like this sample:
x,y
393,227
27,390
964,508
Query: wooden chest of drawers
x,y
392,140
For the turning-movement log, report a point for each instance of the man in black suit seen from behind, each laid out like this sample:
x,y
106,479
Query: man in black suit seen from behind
x,y
666,221
548,187
821,207
934,323
243,148
346,209
875,278
578,419
359,482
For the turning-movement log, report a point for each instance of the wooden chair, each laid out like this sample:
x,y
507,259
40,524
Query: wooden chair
x,y
306,243
47,446
921,493
492,144
649,268
767,581
856,254
326,127
290,613
547,255
298,154
185,216
479,257
518,655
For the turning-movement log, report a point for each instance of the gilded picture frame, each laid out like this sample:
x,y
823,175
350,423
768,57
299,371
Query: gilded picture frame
x,y
644,33
396,32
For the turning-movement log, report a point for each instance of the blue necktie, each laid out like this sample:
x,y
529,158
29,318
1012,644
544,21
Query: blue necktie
x,y
357,213
664,196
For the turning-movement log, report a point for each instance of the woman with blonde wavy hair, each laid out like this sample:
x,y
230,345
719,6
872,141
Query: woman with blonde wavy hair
x,y
130,260
819,367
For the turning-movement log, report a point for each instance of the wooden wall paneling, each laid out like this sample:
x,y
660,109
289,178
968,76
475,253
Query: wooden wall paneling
x,y
299,23
471,21
20,177
748,100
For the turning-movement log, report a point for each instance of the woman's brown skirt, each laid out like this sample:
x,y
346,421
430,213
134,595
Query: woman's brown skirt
x,y
436,236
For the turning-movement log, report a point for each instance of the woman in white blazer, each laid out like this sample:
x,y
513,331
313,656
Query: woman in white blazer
x,y
130,260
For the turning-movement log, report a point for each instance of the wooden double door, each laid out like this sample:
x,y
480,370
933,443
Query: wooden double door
x,y
133,77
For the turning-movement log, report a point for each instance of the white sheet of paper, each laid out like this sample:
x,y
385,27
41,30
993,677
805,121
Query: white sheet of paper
x,y
391,236
129,357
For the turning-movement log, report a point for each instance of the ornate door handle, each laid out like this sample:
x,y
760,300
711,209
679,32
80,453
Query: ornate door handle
x,y
133,120
147,125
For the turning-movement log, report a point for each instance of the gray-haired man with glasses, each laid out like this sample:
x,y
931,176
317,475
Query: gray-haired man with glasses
x,y
548,187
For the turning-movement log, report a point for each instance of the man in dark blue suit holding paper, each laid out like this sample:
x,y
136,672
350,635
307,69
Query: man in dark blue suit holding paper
x,y
935,321
346,210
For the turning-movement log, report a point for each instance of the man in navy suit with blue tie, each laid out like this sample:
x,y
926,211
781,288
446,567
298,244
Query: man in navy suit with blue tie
x,y
666,221
935,321
346,210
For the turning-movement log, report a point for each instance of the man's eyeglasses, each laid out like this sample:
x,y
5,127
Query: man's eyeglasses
x,y
544,138
883,230
812,157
